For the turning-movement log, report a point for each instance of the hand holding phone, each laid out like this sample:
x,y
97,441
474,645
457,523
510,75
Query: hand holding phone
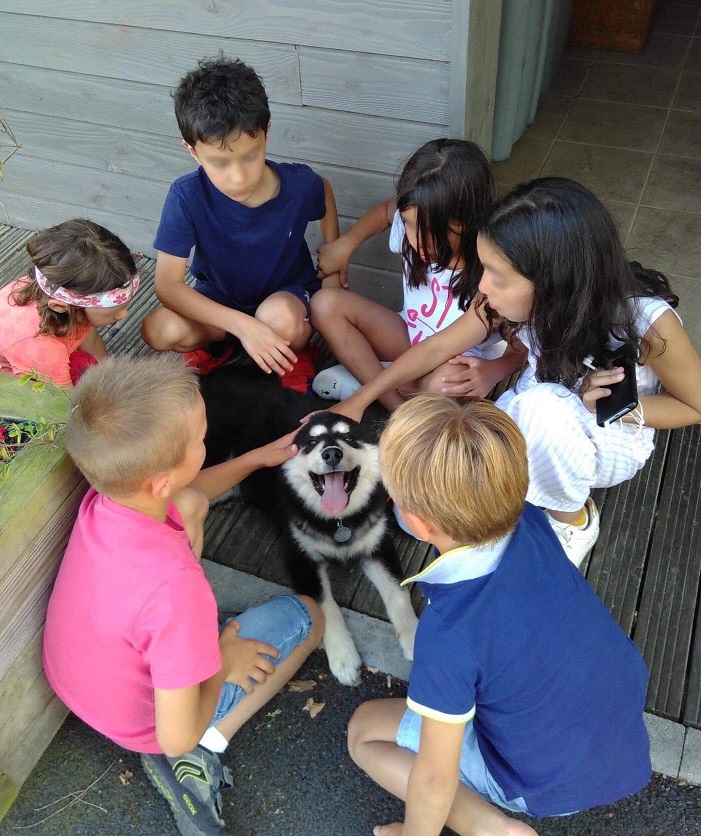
x,y
624,393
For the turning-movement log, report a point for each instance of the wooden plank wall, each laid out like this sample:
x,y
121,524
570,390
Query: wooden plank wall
x,y
355,86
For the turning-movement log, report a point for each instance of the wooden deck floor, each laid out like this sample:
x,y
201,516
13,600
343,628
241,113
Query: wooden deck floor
x,y
646,565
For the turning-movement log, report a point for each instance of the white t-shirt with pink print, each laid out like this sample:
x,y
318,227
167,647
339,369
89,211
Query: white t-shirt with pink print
x,y
432,307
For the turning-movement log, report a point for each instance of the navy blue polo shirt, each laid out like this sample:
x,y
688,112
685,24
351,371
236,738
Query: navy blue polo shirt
x,y
514,639
244,254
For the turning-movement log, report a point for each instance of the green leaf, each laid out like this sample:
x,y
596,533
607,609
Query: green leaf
x,y
23,379
39,386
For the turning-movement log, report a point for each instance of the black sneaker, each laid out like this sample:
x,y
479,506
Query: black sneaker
x,y
191,785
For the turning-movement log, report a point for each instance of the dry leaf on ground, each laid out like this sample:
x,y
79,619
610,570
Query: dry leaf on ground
x,y
299,685
125,777
313,707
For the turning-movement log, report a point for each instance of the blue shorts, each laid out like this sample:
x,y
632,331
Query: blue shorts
x,y
303,293
473,770
283,622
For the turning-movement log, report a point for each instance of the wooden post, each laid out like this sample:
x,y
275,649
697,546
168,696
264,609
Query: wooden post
x,y
476,27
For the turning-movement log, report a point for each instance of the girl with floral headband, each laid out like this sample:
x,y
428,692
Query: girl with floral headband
x,y
81,279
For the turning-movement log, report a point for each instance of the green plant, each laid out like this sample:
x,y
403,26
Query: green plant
x,y
19,433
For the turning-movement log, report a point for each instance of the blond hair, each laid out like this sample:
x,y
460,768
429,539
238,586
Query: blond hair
x,y
462,467
130,420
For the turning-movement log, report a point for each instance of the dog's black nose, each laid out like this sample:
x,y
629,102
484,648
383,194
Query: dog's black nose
x,y
332,455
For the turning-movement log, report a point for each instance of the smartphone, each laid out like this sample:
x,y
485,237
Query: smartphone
x,y
624,394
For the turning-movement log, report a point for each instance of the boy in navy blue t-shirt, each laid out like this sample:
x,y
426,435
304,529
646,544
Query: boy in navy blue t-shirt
x,y
246,217
524,691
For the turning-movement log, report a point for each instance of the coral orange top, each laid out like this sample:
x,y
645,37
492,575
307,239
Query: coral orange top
x,y
23,349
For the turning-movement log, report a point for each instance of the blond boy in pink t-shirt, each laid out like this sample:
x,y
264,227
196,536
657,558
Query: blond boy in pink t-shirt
x,y
131,642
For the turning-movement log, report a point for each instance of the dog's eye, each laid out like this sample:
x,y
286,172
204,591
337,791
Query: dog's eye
x,y
349,439
312,443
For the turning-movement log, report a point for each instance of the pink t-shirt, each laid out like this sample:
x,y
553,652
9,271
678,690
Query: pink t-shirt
x,y
131,610
23,349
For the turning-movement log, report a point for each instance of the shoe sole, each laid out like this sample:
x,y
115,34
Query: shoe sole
x,y
185,825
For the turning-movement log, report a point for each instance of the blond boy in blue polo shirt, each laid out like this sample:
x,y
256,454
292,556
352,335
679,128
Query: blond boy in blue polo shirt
x,y
524,692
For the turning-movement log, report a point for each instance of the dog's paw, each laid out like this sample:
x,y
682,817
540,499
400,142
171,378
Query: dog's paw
x,y
406,633
344,659
346,671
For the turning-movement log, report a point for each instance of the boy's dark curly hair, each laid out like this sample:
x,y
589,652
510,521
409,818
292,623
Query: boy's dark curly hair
x,y
220,100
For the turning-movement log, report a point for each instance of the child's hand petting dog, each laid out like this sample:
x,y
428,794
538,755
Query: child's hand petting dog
x,y
346,408
278,452
245,660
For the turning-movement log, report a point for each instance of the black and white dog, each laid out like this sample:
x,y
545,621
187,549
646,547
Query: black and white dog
x,y
328,499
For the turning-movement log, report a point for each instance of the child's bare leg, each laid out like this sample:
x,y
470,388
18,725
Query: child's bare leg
x,y
372,735
431,383
166,330
193,506
263,692
360,333
287,316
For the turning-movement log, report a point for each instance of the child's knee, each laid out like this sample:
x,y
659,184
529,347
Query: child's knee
x,y
324,303
432,383
317,632
287,319
161,330
360,729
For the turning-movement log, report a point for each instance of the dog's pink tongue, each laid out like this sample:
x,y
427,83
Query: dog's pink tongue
x,y
334,499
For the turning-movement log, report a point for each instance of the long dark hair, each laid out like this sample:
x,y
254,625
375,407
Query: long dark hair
x,y
559,235
449,182
79,255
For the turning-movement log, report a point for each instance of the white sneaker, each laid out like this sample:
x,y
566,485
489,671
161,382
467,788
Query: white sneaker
x,y
336,383
578,542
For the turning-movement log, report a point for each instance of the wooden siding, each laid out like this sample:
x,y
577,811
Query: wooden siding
x,y
354,85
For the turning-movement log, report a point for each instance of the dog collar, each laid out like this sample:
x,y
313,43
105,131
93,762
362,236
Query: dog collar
x,y
342,534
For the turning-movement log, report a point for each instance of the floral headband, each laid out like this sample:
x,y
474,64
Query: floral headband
x,y
106,299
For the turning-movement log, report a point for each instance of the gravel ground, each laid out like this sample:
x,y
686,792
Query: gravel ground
x,y
292,777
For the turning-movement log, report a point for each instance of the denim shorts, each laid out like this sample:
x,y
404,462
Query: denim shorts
x,y
283,622
473,770
303,292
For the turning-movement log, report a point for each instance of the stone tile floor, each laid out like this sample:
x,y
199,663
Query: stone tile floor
x,y
629,128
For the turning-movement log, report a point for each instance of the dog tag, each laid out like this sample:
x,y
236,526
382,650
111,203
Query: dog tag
x,y
342,534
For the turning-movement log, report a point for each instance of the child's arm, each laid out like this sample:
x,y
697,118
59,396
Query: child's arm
x,y
328,226
466,332
476,377
335,256
269,350
678,366
218,479
433,779
183,714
